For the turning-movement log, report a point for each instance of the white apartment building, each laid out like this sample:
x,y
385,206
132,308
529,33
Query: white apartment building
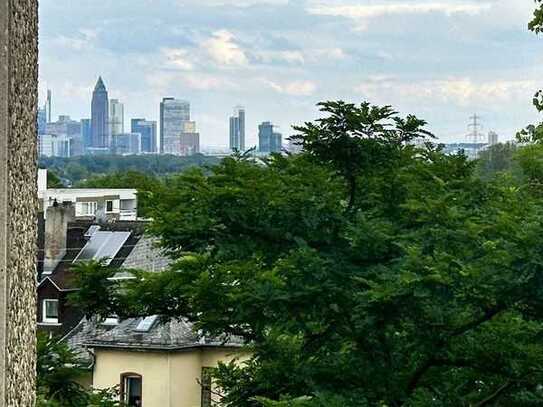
x,y
96,203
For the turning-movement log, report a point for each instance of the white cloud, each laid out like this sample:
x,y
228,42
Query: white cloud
x,y
167,82
459,91
82,40
177,58
290,57
231,3
72,91
221,47
206,82
301,57
294,88
368,11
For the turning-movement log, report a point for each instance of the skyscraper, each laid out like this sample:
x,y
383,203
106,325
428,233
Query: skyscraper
x,y
86,133
237,129
269,141
116,117
99,116
70,129
174,114
49,96
42,119
126,143
492,138
147,130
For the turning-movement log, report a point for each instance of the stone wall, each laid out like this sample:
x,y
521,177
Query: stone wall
x,y
18,200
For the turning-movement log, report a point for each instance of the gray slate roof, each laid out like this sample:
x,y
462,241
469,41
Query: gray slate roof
x,y
168,335
162,336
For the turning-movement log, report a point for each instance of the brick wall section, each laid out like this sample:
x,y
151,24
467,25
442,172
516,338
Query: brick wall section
x,y
18,196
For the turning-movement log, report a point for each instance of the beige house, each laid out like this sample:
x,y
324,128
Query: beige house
x,y
154,363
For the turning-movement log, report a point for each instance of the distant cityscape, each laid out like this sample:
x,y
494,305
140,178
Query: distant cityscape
x,y
176,134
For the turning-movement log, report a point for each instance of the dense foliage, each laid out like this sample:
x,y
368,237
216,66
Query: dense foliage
x,y
365,271
497,159
59,373
76,169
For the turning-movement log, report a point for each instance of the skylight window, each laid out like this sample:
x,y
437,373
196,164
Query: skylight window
x,y
146,324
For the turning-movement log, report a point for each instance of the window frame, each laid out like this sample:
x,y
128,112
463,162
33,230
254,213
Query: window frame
x,y
124,377
88,205
45,318
206,386
112,206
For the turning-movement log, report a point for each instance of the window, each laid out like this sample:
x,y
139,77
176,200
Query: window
x,y
145,324
109,206
111,320
86,209
50,311
205,384
131,385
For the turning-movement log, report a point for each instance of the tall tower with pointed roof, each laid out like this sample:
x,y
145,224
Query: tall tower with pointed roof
x,y
100,116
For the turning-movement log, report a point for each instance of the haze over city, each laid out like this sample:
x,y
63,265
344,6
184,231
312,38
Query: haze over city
x,y
442,61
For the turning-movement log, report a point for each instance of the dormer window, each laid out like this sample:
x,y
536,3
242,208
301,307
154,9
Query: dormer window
x,y
50,311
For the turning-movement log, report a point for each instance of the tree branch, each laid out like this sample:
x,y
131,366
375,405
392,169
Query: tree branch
x,y
499,391
433,361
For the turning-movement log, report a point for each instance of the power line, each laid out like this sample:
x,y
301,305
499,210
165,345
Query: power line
x,y
475,125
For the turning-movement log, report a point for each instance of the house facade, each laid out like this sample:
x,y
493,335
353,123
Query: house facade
x,y
158,363
102,204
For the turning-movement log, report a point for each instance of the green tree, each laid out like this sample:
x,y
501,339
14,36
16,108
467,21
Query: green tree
x,y
59,371
363,272
79,169
53,180
497,159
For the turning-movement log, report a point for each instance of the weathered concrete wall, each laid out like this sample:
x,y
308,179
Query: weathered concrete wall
x,y
18,200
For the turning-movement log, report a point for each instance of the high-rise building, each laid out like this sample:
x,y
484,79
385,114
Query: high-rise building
x,y
269,141
189,143
147,130
51,145
42,120
100,116
116,117
237,129
71,129
492,138
86,133
126,143
174,114
49,97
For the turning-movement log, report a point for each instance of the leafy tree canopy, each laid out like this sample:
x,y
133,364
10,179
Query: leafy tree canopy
x,y
59,372
363,272
77,169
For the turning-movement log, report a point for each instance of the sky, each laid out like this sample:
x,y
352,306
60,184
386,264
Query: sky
x,y
442,60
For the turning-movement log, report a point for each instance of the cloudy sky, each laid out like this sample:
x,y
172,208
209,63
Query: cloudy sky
x,y
440,59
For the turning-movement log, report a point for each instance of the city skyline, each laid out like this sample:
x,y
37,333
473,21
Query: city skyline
x,y
437,59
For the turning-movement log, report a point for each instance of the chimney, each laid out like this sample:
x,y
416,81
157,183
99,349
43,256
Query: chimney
x,y
56,233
